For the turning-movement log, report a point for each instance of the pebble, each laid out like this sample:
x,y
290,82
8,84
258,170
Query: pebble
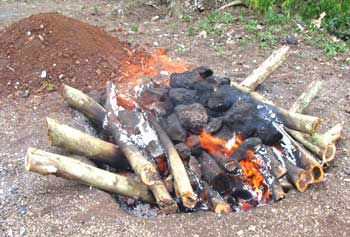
x,y
241,232
43,74
155,18
252,228
22,231
23,210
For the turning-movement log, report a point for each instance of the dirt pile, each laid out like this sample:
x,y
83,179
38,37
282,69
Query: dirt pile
x,y
40,52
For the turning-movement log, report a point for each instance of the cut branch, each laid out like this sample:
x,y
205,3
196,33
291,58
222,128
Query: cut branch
x,y
329,137
84,104
306,97
188,197
80,143
46,163
232,4
326,154
216,202
260,74
296,121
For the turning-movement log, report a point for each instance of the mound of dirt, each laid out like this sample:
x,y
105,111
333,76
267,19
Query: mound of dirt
x,y
40,52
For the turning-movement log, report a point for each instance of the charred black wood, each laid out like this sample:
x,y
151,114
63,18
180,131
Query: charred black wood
x,y
195,166
184,80
182,96
214,125
218,81
184,151
240,153
203,71
192,117
174,129
223,98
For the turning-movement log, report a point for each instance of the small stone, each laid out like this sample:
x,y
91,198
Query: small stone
x,y
291,40
26,94
60,76
155,44
155,18
43,74
23,210
22,231
29,33
241,232
252,228
98,72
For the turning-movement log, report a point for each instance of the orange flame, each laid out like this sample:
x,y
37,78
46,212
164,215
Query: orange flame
x,y
250,165
218,146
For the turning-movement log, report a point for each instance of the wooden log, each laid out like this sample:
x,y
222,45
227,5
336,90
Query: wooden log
x,y
296,121
306,97
188,197
84,104
137,159
285,184
277,169
80,143
301,157
329,137
216,202
46,163
326,154
260,74
214,175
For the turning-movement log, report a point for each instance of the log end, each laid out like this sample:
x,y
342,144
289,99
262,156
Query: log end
x,y
303,181
329,153
189,199
315,125
222,209
149,175
317,173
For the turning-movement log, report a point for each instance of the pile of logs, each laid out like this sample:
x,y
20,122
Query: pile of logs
x,y
175,175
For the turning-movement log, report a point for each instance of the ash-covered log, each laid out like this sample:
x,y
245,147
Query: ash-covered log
x,y
46,163
215,202
126,140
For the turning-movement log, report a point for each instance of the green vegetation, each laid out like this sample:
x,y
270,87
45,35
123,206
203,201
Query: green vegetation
x,y
214,22
134,29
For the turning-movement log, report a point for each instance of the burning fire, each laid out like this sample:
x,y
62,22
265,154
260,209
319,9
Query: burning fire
x,y
250,165
215,145
151,65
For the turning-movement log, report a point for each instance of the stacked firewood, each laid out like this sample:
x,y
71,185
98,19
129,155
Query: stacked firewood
x,y
178,161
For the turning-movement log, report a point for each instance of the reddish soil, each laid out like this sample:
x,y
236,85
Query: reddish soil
x,y
68,50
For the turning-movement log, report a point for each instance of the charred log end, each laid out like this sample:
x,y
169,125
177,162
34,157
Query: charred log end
x,y
303,181
222,183
148,175
278,192
232,166
317,173
222,209
189,199
329,153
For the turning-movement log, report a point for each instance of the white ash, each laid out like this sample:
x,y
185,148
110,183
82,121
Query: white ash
x,y
279,156
286,143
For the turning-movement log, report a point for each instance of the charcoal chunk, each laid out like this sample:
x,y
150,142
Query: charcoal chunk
x,y
218,81
223,98
192,117
184,80
174,129
268,133
204,90
183,96
214,125
203,71
183,150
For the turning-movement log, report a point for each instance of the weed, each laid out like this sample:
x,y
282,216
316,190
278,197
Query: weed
x,y
134,29
186,18
214,22
180,48
252,26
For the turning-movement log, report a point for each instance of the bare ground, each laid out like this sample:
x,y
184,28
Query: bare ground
x,y
47,206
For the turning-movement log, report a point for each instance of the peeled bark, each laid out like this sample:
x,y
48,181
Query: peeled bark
x,y
260,74
80,143
46,163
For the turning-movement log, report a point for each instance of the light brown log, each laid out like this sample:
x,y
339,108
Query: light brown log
x,y
232,4
300,178
260,74
329,137
46,163
285,184
84,104
142,166
296,121
80,143
216,202
306,97
326,154
188,197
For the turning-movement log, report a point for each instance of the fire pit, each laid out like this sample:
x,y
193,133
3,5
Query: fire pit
x,y
192,141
